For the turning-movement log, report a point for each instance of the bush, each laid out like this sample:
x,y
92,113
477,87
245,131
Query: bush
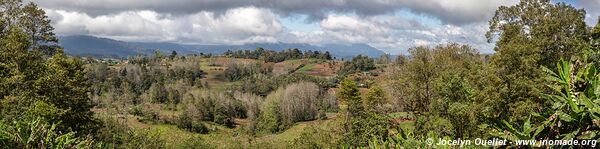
x,y
39,134
270,119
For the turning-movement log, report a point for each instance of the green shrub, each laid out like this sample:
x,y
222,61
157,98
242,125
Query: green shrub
x,y
39,134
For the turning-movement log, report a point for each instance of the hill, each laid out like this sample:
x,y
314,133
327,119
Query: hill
x,y
104,47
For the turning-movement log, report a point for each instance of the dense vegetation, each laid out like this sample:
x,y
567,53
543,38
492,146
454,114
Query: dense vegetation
x,y
274,56
542,83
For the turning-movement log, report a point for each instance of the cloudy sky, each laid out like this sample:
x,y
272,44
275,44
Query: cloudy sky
x,y
390,25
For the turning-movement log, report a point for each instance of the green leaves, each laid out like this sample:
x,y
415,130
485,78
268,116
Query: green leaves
x,y
577,87
38,134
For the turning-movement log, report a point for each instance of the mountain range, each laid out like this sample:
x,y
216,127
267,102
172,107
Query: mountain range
x,y
83,45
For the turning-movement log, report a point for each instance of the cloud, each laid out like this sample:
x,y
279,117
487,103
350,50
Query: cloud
x,y
592,8
448,11
390,25
235,26
384,32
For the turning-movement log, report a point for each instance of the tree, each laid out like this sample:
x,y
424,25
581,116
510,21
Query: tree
x,y
360,125
400,60
53,89
348,93
63,85
38,27
553,31
375,100
33,21
531,34
436,83
384,59
421,72
595,34
359,63
173,55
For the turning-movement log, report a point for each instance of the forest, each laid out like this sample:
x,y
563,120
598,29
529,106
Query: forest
x,y
542,82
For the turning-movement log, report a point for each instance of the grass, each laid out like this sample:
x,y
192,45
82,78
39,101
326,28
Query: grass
x,y
223,137
306,68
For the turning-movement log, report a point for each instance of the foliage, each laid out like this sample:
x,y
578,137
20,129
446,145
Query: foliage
x,y
262,85
239,71
32,21
321,135
273,56
116,134
360,125
375,100
358,63
209,105
286,106
30,81
531,34
38,134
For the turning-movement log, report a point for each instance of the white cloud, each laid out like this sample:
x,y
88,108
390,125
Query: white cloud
x,y
249,21
380,33
236,26
449,11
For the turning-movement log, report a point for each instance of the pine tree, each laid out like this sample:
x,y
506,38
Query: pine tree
x,y
350,95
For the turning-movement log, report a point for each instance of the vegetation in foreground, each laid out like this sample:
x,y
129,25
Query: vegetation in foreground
x,y
534,87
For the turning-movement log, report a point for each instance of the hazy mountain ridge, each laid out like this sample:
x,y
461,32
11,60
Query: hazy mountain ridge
x,y
83,45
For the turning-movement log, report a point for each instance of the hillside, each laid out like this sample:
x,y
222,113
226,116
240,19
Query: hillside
x,y
105,47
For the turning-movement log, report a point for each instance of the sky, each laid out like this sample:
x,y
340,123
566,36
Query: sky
x,y
392,26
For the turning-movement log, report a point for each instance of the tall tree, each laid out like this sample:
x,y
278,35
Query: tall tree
x,y
37,26
34,87
531,34
349,94
33,21
554,31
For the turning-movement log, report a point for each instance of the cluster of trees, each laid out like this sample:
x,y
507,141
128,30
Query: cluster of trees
x,y
157,79
540,84
237,71
274,56
363,119
287,105
201,106
455,92
43,93
35,85
262,85
359,63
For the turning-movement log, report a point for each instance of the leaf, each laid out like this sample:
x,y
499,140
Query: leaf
x,y
514,131
527,125
570,135
548,71
587,102
540,128
565,117
587,135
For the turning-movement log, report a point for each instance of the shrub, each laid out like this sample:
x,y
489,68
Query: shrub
x,y
38,134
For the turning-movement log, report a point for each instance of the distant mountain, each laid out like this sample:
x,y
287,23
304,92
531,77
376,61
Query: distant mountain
x,y
103,47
